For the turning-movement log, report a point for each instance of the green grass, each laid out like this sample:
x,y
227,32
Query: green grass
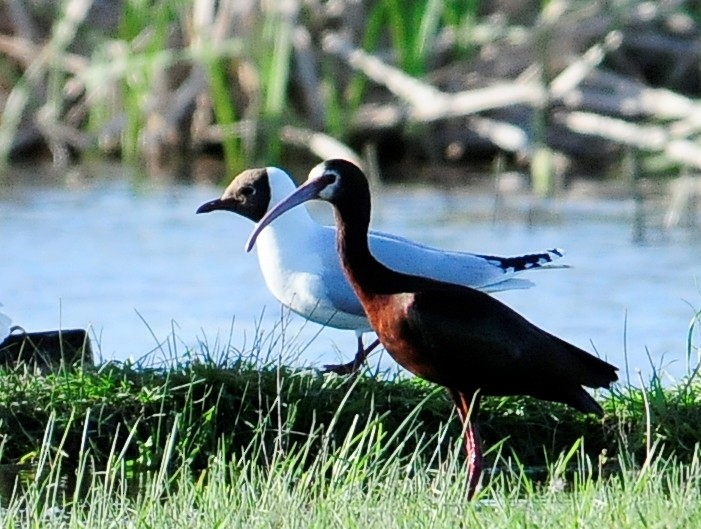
x,y
353,485
212,402
225,439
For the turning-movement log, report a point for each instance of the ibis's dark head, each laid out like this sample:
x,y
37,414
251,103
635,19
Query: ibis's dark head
x,y
248,194
345,183
337,181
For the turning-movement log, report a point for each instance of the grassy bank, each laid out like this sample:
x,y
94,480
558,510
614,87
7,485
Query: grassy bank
x,y
204,407
230,441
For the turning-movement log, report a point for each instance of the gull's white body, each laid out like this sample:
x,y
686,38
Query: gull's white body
x,y
5,323
301,268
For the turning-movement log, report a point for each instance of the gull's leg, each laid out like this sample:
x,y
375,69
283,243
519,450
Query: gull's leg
x,y
357,362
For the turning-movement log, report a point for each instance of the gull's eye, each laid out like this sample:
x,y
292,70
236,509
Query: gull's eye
x,y
248,191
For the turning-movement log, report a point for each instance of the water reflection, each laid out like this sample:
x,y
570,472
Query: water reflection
x,y
136,263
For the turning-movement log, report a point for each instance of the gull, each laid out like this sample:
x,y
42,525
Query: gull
x,y
5,323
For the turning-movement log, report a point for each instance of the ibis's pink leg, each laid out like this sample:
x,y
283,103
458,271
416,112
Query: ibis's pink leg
x,y
356,363
473,443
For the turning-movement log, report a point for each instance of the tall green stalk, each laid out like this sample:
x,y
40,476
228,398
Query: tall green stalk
x,y
278,29
225,114
144,28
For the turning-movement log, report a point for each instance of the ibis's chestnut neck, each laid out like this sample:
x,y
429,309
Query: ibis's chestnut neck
x,y
352,212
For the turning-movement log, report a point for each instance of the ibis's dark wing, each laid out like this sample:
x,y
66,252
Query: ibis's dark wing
x,y
482,343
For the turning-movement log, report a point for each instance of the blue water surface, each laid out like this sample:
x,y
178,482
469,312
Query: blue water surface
x,y
132,261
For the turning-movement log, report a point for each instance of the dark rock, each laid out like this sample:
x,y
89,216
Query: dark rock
x,y
47,350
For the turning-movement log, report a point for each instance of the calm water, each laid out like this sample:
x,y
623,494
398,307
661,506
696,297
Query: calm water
x,y
135,264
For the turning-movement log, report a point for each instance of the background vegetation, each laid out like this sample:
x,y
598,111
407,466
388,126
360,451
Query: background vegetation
x,y
440,84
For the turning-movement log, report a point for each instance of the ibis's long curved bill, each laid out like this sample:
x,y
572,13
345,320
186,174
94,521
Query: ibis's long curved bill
x,y
307,191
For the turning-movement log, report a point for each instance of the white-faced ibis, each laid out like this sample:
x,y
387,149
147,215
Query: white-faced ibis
x,y
301,268
452,335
